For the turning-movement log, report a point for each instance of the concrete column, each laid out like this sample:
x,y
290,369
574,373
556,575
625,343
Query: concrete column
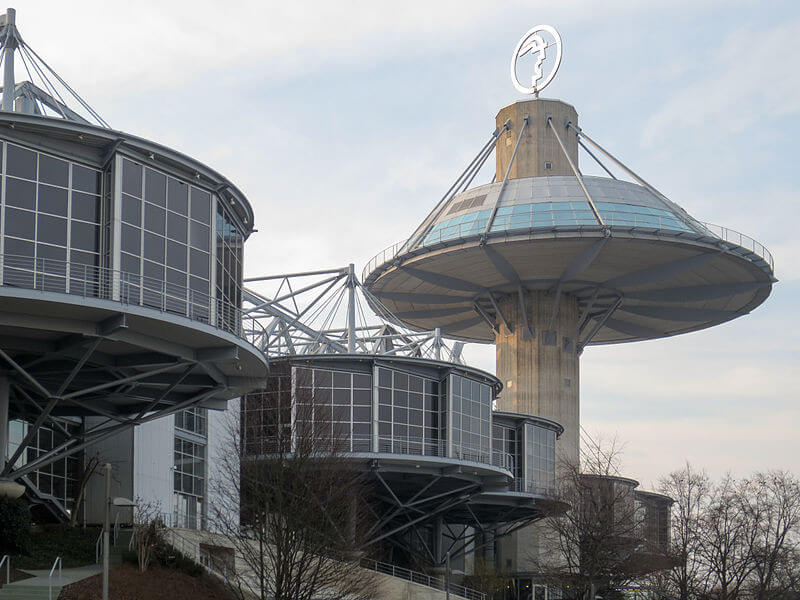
x,y
540,372
539,154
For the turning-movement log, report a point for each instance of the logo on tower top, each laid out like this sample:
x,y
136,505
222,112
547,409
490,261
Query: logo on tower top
x,y
540,43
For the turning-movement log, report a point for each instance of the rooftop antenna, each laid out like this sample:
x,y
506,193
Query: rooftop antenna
x,y
10,40
45,92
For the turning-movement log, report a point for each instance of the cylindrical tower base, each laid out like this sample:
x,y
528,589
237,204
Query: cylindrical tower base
x,y
537,361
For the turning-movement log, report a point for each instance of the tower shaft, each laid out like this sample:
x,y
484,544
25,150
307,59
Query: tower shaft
x,y
537,362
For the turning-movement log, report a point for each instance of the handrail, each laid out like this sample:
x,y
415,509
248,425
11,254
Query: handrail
x,y
720,232
6,559
196,554
90,281
57,563
422,579
115,530
98,548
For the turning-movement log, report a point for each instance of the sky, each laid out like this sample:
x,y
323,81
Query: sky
x,y
345,122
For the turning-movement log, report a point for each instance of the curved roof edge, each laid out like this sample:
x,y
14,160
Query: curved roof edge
x,y
99,137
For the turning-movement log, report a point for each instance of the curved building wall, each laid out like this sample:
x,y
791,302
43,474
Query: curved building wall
x,y
401,407
128,231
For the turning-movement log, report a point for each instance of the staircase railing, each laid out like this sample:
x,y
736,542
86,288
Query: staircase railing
x,y
7,560
422,579
56,563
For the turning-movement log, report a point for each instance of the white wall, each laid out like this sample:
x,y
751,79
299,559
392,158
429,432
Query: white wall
x,y
154,446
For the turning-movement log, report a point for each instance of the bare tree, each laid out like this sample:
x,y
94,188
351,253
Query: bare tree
x,y
148,531
690,490
289,499
596,541
771,502
727,538
89,469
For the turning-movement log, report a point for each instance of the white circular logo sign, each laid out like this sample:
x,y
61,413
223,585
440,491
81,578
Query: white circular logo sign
x,y
537,43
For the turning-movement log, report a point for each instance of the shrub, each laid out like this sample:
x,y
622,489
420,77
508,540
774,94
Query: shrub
x,y
15,521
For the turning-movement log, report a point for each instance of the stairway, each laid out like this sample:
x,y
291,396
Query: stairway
x,y
38,586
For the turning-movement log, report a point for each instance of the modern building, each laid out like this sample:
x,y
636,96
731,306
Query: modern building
x,y
120,291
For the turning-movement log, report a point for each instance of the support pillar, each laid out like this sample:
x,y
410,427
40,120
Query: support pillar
x,y
8,61
537,361
3,422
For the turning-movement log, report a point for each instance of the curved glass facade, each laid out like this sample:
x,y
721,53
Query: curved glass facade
x,y
385,409
131,232
52,215
547,215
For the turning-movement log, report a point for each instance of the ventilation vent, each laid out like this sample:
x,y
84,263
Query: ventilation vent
x,y
466,204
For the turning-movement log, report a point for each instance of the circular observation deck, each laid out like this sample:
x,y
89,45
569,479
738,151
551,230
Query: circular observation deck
x,y
652,271
120,275
424,429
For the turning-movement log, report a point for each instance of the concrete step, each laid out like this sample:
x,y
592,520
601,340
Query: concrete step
x,y
29,592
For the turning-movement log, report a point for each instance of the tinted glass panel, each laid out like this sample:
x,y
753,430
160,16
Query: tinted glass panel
x,y
53,200
18,247
176,255
200,236
154,218
21,162
199,263
130,264
20,223
201,205
52,230
85,180
53,170
131,210
20,193
131,239
178,196
153,247
131,178
86,207
85,236
155,187
176,227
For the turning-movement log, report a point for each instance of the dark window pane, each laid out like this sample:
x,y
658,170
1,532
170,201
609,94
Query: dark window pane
x,y
85,180
53,170
176,278
52,253
131,239
155,187
20,223
18,248
341,379
362,381
176,255
21,162
199,263
52,230
131,210
154,218
201,205
153,272
199,236
20,193
83,258
176,227
322,378
362,414
362,397
130,264
52,200
200,286
87,208
85,236
154,247
178,196
131,178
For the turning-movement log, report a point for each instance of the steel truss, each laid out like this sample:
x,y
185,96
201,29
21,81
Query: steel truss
x,y
331,312
445,516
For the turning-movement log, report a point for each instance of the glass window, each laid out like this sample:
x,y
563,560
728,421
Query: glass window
x,y
85,180
87,208
20,223
177,196
20,193
154,218
53,171
131,178
155,190
21,162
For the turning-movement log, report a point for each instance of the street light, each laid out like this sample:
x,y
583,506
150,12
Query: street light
x,y
107,525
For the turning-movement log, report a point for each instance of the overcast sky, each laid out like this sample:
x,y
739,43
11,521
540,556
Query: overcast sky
x,y
344,122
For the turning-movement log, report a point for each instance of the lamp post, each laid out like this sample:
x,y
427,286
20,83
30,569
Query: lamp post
x,y
107,526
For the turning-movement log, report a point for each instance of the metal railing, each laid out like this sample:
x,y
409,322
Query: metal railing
x,y
57,563
741,240
718,231
531,487
7,560
89,281
422,579
194,551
